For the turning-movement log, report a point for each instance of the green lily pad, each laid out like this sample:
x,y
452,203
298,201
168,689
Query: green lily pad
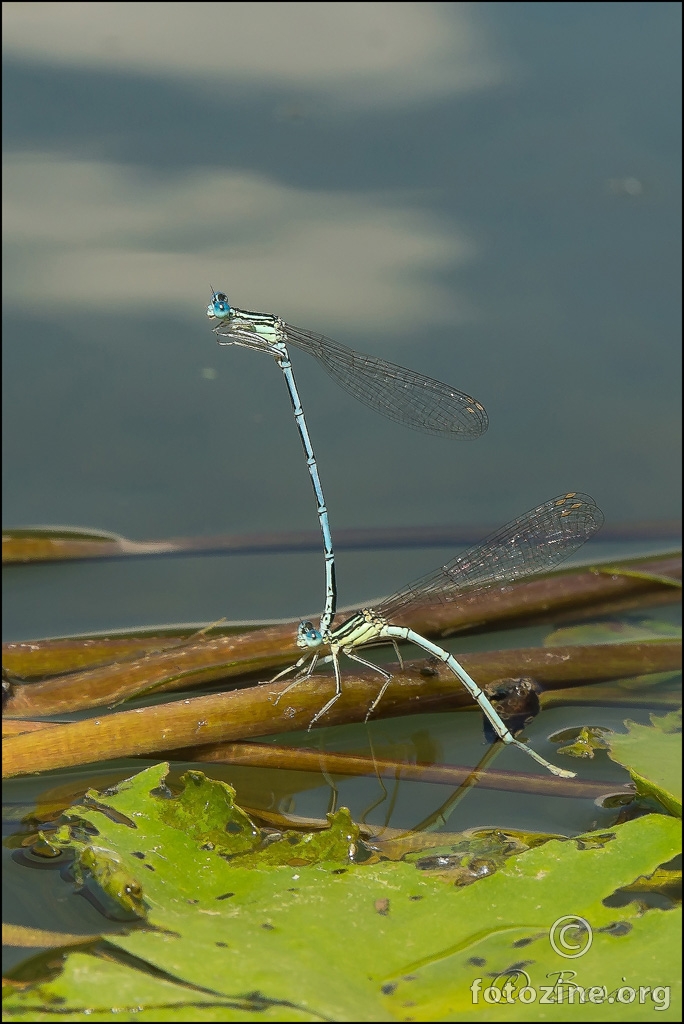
x,y
229,938
652,754
90,983
588,739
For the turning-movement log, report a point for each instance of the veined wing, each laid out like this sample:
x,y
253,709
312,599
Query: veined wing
x,y
395,391
535,542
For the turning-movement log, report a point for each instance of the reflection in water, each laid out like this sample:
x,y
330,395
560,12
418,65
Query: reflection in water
x,y
489,192
101,237
355,55
486,192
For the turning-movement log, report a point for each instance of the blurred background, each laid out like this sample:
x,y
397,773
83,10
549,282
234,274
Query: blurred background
x,y
489,193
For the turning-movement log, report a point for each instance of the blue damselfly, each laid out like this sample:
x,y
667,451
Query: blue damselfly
x,y
535,542
396,392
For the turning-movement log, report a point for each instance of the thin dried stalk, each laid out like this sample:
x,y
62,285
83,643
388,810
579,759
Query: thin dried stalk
x,y
23,546
303,760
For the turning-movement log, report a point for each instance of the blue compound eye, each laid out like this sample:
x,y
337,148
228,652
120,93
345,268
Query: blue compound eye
x,y
308,635
219,306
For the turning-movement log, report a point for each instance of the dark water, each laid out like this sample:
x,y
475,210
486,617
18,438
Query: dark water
x,y
488,193
498,207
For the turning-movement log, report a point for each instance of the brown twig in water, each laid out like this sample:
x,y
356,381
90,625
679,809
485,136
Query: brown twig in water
x,y
180,664
252,712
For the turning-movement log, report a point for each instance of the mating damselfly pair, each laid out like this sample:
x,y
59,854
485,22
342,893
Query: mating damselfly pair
x,y
535,542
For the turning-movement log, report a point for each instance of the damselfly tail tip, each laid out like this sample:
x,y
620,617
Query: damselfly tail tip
x,y
562,773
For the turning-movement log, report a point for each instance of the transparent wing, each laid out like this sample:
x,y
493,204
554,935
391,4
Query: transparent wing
x,y
535,542
396,392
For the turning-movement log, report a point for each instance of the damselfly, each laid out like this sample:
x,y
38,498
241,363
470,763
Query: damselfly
x,y
396,392
535,542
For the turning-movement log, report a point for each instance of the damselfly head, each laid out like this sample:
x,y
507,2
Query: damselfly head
x,y
219,307
308,635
